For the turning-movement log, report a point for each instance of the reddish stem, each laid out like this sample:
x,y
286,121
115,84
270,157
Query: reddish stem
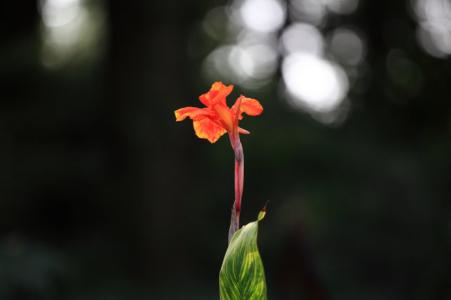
x,y
239,182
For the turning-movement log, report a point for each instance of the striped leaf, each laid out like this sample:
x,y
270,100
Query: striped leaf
x,y
242,276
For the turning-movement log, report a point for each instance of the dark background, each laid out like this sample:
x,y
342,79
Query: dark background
x,y
104,196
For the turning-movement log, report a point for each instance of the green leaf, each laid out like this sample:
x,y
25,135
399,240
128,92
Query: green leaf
x,y
242,276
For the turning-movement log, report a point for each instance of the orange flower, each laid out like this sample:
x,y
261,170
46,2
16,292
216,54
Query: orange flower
x,y
212,121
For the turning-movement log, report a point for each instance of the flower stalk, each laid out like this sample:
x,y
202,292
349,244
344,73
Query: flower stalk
x,y
242,275
239,183
216,119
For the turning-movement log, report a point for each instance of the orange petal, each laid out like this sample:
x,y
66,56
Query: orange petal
x,y
249,106
243,131
225,116
194,113
207,129
217,93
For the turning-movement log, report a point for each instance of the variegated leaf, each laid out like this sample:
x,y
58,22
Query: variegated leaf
x,y
242,276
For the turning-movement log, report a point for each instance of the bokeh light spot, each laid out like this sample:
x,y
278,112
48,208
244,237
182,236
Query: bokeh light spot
x,y
57,13
434,31
249,65
314,83
310,11
301,37
341,6
347,46
69,29
263,15
315,11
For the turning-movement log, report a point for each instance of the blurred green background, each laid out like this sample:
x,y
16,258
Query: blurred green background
x,y
104,196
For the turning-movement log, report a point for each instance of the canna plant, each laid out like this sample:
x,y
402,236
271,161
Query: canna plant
x,y
242,275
